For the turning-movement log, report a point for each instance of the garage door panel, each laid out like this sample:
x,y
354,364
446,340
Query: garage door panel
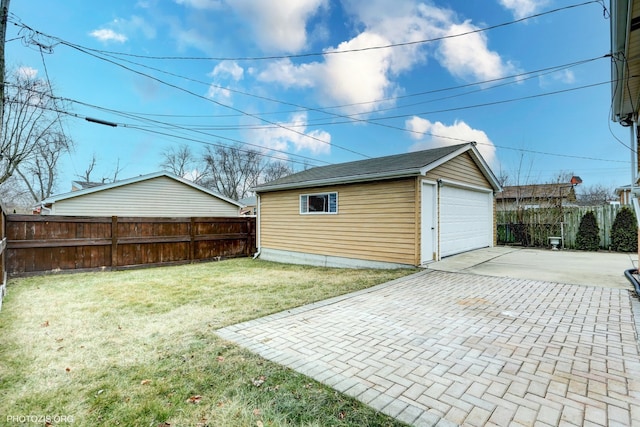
x,y
466,220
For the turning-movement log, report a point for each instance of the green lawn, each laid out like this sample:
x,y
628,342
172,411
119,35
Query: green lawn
x,y
138,348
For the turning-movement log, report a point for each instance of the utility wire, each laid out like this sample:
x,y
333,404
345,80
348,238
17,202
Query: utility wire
x,y
137,127
90,52
337,52
417,132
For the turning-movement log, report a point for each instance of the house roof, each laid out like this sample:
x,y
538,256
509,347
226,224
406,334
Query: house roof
x,y
536,191
396,166
249,201
81,185
95,189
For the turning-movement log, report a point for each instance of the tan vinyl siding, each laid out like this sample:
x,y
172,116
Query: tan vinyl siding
x,y
460,169
375,221
157,197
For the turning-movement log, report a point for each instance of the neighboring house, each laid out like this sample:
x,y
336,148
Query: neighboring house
x,y
402,210
248,206
81,185
160,194
536,196
625,195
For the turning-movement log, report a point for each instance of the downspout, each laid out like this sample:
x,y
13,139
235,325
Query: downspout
x,y
257,254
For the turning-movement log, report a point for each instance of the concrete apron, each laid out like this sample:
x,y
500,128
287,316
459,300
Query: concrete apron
x,y
604,269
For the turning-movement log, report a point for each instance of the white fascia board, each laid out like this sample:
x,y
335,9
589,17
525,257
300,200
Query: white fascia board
x,y
620,26
339,180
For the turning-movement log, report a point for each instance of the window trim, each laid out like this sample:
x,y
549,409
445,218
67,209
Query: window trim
x,y
328,193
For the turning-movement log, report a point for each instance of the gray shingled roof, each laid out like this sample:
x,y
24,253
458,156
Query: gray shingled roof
x,y
397,165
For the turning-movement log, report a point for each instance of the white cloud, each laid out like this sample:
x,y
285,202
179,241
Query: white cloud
x,y
279,25
187,38
359,80
523,8
364,79
563,76
118,29
289,75
107,35
228,68
280,138
26,73
220,93
468,57
437,134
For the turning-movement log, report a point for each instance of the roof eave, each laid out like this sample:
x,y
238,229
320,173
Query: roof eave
x,y
620,22
339,180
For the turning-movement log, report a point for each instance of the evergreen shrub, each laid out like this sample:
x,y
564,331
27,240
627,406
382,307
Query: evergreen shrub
x,y
588,238
624,231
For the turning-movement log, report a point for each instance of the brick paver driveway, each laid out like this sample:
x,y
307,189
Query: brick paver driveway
x,y
442,348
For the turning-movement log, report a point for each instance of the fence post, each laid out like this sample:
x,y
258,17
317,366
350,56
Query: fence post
x,y
192,239
114,242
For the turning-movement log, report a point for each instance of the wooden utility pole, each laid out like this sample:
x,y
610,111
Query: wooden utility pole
x,y
4,14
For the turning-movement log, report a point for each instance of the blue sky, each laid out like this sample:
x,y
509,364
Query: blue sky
x,y
266,73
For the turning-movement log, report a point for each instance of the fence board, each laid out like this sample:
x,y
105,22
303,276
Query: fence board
x,y
3,251
37,244
533,227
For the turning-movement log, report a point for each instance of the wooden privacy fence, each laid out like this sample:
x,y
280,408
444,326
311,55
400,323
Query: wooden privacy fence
x,y
3,246
534,226
39,244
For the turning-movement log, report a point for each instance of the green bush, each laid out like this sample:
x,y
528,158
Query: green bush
x,y
588,238
624,231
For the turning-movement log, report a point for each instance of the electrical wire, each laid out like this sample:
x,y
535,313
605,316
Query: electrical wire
x,y
345,51
305,160
423,133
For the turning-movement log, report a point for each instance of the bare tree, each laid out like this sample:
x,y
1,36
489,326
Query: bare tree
x,y
182,161
28,122
596,195
32,140
39,173
86,176
233,171
275,170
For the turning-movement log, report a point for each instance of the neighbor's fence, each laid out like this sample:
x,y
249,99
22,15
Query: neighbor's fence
x,y
534,226
39,244
3,246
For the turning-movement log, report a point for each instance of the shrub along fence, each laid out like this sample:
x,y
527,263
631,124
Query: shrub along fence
x,y
40,244
534,226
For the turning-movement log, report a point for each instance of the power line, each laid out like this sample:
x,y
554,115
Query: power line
x,y
89,52
137,127
511,79
423,133
337,52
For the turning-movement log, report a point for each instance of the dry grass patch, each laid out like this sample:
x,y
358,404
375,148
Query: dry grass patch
x,y
139,347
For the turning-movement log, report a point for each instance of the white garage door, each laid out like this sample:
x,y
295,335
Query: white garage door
x,y
466,219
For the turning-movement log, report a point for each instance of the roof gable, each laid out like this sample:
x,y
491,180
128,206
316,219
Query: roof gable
x,y
141,178
395,166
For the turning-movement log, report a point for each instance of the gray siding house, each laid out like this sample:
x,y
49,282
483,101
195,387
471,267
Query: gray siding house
x,y
160,194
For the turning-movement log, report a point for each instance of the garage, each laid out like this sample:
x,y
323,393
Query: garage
x,y
406,209
466,219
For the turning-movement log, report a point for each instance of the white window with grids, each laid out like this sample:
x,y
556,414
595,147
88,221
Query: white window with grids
x,y
320,203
